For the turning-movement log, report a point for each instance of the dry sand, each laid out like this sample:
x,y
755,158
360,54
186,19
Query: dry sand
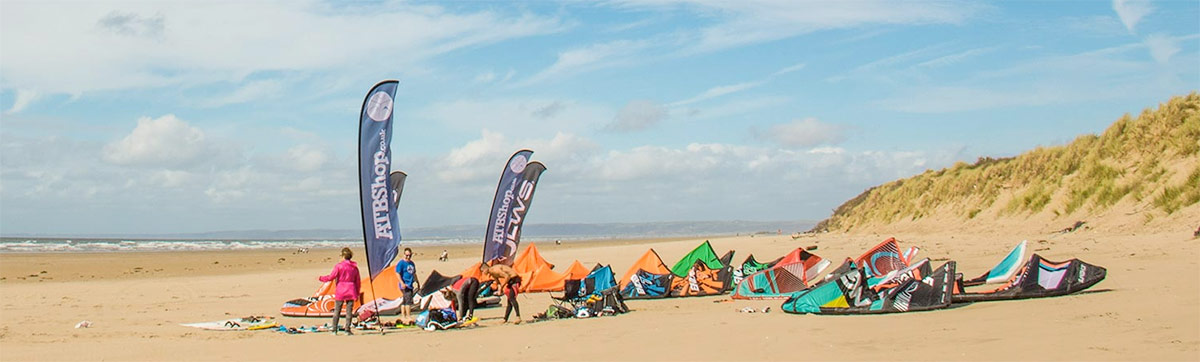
x,y
1147,309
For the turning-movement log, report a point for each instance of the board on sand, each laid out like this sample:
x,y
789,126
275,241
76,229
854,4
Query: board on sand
x,y
236,324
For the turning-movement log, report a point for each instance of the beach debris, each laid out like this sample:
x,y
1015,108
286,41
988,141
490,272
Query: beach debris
x,y
1197,233
83,324
747,310
810,247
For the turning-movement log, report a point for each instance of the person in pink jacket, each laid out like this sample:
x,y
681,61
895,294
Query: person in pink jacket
x,y
345,274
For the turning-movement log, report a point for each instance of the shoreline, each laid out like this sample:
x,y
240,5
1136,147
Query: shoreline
x,y
28,267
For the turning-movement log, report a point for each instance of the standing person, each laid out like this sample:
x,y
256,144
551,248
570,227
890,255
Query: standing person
x,y
510,283
468,291
408,276
345,274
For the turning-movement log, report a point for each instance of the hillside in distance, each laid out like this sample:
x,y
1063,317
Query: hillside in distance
x,y
1141,173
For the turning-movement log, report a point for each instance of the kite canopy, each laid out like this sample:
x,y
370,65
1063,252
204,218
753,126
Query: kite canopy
x,y
535,271
701,280
882,259
790,274
703,253
436,281
600,279
320,304
576,271
1004,270
648,277
906,291
751,266
530,260
1039,278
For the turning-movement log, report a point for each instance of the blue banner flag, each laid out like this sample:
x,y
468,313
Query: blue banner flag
x,y
381,229
514,195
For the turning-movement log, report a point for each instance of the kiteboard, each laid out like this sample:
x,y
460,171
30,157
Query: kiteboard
x,y
237,324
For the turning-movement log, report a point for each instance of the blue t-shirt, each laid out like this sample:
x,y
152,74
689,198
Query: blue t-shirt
x,y
407,271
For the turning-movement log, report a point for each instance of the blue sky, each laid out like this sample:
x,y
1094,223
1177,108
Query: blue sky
x,y
149,117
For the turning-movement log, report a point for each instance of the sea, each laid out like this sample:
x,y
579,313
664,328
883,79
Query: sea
x,y
428,236
86,245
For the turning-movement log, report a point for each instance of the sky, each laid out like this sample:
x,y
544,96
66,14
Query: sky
x,y
188,116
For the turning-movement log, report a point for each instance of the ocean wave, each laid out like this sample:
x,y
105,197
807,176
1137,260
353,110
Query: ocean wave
x,y
113,245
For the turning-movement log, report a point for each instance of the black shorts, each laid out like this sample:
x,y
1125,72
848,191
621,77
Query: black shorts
x,y
406,296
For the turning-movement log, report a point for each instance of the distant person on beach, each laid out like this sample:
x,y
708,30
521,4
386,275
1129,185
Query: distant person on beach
x,y
510,283
348,282
468,290
407,270
445,255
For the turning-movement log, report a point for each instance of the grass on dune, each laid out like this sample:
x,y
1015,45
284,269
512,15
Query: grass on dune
x,y
1092,173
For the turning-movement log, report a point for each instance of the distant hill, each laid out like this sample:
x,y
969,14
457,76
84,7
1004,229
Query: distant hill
x,y
1139,171
468,232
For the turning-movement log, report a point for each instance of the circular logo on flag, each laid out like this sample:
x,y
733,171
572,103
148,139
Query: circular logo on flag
x,y
518,164
379,107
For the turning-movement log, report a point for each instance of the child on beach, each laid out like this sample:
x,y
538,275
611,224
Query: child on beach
x,y
510,282
345,274
407,270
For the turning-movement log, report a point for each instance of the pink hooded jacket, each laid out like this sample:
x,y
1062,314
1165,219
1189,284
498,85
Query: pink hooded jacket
x,y
348,281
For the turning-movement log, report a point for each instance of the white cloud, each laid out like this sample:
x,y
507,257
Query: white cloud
x,y
154,44
732,108
590,58
164,142
718,91
804,133
253,91
789,69
170,178
306,157
469,161
1162,47
955,58
638,115
740,23
531,114
1131,12
232,185
1098,75
24,99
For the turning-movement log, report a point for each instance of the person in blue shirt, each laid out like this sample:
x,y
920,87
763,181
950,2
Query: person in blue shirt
x,y
407,270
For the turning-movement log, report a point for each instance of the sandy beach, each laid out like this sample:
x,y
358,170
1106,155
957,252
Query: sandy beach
x,y
1144,310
